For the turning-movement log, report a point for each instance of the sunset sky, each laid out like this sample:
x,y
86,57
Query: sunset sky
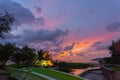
x,y
72,30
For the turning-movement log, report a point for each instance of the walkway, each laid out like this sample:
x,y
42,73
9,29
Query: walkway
x,y
42,75
93,74
45,76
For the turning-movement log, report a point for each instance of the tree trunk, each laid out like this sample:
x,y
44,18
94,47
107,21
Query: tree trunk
x,y
2,65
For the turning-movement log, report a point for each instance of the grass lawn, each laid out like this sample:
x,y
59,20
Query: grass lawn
x,y
54,74
22,75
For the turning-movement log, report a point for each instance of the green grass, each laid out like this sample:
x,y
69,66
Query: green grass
x,y
54,74
28,76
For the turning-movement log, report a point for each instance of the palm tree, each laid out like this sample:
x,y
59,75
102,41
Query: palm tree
x,y
44,55
40,54
47,56
5,23
44,58
28,56
6,52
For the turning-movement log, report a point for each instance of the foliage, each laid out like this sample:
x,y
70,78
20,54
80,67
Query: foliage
x,y
64,70
61,64
115,59
44,55
40,54
6,52
44,58
112,47
25,56
17,56
5,23
29,55
115,55
108,60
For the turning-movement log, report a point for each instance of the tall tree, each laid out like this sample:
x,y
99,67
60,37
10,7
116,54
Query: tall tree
x,y
5,23
6,52
47,56
44,55
115,51
40,54
17,56
29,55
112,47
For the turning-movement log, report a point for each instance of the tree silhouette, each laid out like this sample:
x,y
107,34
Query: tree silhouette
x,y
40,54
115,55
28,56
44,55
5,23
6,52
44,58
17,56
47,56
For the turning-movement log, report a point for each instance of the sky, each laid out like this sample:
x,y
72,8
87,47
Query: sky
x,y
72,30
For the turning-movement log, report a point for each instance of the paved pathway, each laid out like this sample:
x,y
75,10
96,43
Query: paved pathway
x,y
95,74
41,75
45,76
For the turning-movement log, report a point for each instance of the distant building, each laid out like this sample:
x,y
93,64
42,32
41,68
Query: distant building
x,y
44,63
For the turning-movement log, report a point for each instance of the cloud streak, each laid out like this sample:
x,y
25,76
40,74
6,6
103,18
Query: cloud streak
x,y
113,27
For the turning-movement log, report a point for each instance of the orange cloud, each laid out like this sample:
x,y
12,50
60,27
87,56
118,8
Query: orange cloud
x,y
84,46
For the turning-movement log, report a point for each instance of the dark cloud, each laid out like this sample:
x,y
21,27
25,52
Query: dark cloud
x,y
38,10
69,47
11,36
42,35
56,49
22,15
58,42
99,45
44,39
113,27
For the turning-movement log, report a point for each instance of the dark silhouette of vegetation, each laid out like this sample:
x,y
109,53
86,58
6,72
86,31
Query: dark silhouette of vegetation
x,y
67,67
40,54
17,56
29,55
62,64
6,52
25,56
44,56
5,23
8,49
115,54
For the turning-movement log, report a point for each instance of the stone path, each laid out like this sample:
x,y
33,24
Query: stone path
x,y
95,74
